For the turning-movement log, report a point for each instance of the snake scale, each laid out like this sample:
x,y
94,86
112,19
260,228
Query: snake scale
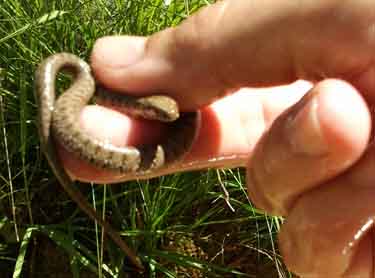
x,y
59,121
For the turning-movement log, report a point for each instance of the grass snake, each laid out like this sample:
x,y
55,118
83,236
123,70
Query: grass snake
x,y
59,121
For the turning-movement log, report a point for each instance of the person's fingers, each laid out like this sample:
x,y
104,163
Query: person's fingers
x,y
232,44
334,224
316,139
230,129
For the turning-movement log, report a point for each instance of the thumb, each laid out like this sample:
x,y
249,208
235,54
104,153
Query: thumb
x,y
142,65
191,62
233,44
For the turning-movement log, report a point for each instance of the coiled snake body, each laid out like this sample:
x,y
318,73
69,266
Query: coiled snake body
x,y
58,120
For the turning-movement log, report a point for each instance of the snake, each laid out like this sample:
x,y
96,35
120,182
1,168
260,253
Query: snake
x,y
58,121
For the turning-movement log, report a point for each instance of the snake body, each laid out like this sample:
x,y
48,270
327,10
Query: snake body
x,y
59,120
61,117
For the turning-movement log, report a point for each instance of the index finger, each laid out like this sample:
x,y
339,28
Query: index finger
x,y
230,129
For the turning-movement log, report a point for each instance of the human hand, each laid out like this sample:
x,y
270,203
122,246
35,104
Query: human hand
x,y
303,158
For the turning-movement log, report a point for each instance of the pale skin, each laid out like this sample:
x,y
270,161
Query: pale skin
x,y
307,159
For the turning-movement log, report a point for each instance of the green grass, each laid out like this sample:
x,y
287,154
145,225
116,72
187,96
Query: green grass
x,y
42,233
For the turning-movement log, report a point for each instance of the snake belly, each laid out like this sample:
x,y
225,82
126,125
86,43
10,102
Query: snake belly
x,y
59,117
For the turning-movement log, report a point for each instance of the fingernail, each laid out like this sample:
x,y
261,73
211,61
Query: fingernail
x,y
303,129
118,51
